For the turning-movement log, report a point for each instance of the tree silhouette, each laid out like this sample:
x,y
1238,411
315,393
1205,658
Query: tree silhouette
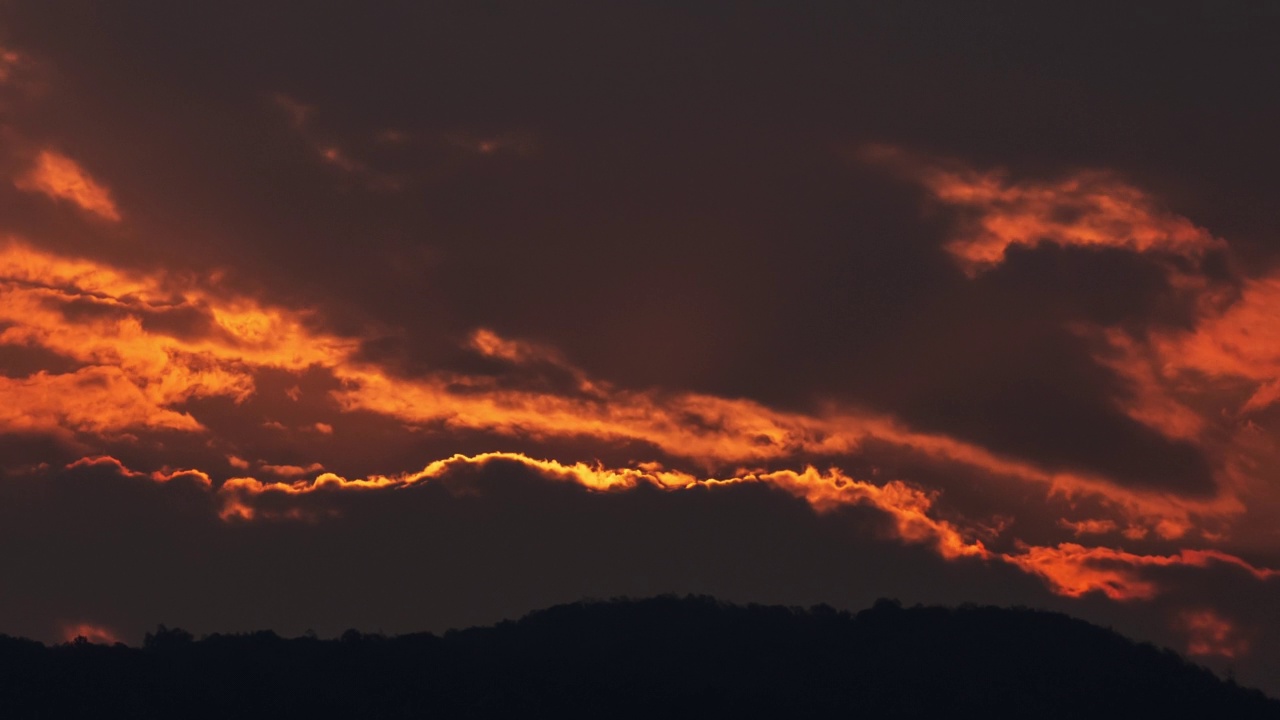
x,y
665,656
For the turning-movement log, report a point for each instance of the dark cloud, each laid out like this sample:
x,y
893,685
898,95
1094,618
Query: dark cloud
x,y
482,544
20,361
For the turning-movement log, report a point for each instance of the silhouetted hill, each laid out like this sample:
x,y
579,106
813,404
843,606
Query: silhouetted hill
x,y
663,657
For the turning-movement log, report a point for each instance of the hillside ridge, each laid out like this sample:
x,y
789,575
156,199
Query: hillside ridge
x,y
667,655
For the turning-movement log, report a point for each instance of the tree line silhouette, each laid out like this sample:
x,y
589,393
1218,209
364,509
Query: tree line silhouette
x,y
659,657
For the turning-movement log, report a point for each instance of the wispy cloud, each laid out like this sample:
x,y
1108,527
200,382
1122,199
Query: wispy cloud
x,y
59,177
1093,208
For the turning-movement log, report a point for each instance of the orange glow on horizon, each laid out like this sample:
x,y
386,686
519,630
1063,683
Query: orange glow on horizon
x,y
96,634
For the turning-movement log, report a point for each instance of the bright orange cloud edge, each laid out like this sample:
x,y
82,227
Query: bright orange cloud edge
x,y
135,377
1068,569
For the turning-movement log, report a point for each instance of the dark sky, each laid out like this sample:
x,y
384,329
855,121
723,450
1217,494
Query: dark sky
x,y
322,315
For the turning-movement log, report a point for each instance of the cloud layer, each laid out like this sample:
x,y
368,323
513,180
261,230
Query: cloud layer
x,y
384,335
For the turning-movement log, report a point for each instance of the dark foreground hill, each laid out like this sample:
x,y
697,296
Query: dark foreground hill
x,y
663,657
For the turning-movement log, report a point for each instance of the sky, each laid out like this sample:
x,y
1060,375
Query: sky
x,y
408,316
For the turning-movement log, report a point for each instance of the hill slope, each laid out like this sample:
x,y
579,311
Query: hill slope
x,y
691,657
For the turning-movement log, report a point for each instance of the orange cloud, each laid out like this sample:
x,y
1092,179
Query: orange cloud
x,y
135,368
1240,342
1176,379
136,371
1154,396
61,178
1198,385
490,344
1074,570
1211,384
1088,209
99,400
1190,383
1208,633
709,430
716,432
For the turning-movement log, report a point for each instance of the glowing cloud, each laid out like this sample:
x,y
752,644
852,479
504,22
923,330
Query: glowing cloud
x,y
99,400
1152,398
1074,570
1193,385
490,344
1212,383
148,342
144,347
61,178
1241,342
909,507
1089,209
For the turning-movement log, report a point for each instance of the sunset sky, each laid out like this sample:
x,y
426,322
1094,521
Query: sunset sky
x,y
408,316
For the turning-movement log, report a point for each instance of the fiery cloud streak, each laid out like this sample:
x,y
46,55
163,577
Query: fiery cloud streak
x,y
61,178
